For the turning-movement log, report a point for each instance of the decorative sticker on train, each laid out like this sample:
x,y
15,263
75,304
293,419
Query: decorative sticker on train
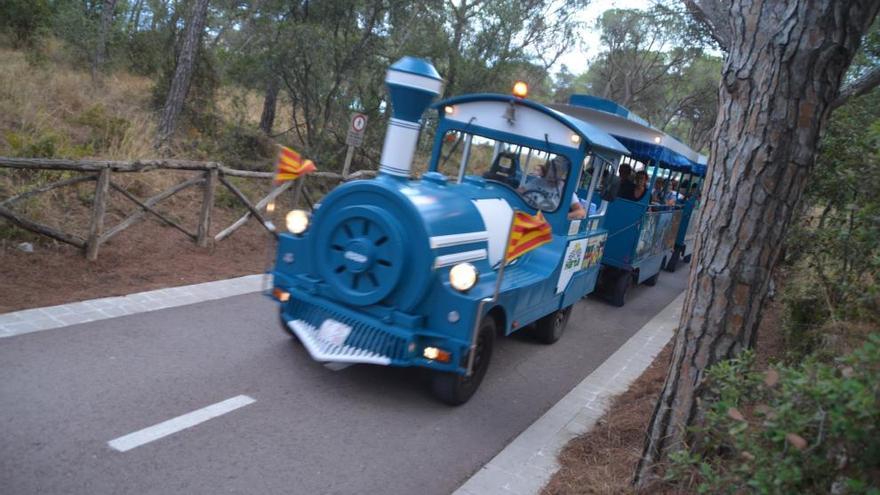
x,y
571,263
593,252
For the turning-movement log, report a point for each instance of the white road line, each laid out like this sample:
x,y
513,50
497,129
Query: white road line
x,y
173,425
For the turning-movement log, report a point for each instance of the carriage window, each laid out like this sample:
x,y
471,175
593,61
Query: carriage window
x,y
597,185
538,176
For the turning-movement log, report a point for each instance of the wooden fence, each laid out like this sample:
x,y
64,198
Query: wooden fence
x,y
207,176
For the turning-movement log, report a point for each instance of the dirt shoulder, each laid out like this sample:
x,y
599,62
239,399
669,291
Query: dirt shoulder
x,y
603,460
147,256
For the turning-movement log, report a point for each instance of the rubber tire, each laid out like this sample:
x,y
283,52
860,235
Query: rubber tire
x,y
286,328
454,389
687,259
652,280
672,264
550,328
619,287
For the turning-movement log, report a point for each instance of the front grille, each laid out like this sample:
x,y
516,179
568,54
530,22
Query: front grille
x,y
363,336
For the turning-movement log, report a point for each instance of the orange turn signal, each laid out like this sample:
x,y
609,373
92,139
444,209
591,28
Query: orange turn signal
x,y
280,294
437,354
520,89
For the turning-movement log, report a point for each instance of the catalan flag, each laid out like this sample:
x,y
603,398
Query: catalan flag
x,y
527,233
291,165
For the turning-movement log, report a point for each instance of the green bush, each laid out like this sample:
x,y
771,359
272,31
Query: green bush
x,y
808,428
105,129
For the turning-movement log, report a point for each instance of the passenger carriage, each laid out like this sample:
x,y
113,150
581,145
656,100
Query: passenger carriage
x,y
402,272
690,186
642,235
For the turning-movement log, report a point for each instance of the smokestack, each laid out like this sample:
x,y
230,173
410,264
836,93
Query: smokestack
x,y
412,84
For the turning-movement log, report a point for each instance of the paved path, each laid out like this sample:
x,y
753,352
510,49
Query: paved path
x,y
213,397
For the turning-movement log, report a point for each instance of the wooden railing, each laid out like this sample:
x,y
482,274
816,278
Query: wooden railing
x,y
208,175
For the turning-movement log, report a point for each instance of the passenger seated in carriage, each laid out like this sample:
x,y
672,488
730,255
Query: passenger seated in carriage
x,y
639,188
626,181
544,191
658,191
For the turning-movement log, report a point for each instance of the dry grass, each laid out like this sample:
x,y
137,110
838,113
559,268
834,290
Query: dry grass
x,y
51,109
48,101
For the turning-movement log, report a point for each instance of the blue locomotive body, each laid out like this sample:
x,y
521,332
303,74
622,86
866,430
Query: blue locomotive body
x,y
402,272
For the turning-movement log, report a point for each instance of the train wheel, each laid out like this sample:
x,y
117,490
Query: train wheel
x,y
455,389
673,261
550,328
619,288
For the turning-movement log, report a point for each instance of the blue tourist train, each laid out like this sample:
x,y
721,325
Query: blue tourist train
x,y
403,272
648,231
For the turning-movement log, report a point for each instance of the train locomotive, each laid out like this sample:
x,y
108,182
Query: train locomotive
x,y
415,273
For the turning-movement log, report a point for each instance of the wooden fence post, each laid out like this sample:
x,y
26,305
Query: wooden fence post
x,y
96,226
210,187
297,193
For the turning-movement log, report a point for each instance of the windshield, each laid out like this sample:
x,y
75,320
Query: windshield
x,y
538,176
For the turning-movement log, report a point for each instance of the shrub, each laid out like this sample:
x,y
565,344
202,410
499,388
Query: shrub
x,y
809,428
105,129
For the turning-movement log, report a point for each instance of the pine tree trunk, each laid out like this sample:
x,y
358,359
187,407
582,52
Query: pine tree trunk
x,y
784,67
107,10
267,117
186,62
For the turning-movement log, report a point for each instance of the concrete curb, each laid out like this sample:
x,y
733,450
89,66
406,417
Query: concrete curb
x,y
35,320
529,461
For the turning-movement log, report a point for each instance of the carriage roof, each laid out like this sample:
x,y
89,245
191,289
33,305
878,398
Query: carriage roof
x,y
596,138
644,141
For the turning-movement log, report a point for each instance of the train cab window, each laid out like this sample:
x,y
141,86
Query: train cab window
x,y
537,176
544,186
599,185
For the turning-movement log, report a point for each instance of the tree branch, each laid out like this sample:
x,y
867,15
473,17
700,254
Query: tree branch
x,y
711,14
858,87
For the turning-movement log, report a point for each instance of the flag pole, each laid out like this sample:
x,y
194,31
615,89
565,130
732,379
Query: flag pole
x,y
489,300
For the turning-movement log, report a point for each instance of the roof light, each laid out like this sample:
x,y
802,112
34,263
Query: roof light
x,y
520,89
657,139
449,109
575,139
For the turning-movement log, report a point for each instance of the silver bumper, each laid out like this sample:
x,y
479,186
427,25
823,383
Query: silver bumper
x,y
324,351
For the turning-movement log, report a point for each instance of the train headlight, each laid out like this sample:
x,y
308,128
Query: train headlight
x,y
463,276
297,221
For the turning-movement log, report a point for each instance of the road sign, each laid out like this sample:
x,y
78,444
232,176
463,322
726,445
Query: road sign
x,y
356,130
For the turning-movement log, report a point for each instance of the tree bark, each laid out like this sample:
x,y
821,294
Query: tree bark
x,y
267,117
107,9
186,62
783,70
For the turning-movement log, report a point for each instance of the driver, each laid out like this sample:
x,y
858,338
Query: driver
x,y
544,191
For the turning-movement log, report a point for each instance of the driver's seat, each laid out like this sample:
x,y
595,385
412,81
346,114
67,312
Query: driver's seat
x,y
505,169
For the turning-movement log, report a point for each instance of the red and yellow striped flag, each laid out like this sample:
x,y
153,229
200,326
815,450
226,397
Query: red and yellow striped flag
x,y
527,233
291,165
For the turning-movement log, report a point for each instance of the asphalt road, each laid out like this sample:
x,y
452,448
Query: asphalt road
x,y
65,393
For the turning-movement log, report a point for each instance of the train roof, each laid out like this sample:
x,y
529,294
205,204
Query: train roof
x,y
643,140
591,134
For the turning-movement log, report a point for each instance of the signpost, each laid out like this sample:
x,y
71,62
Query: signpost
x,y
354,139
